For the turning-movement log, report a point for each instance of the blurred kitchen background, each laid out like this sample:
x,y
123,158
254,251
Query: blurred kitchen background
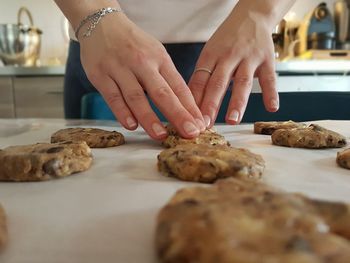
x,y
312,47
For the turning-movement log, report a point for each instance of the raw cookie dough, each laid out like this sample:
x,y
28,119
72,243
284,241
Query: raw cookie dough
x,y
209,136
343,158
313,136
95,138
207,163
43,161
268,127
238,221
3,228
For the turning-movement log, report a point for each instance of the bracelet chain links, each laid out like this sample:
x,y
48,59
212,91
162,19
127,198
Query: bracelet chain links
x,y
94,19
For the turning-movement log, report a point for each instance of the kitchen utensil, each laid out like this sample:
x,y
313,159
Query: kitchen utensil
x,y
20,43
278,39
342,23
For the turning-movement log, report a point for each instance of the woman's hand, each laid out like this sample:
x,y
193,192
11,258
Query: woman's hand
x,y
123,62
241,48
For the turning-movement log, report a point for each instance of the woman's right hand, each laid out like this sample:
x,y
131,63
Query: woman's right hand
x,y
123,62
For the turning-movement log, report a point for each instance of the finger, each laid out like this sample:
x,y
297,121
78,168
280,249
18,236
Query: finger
x,y
179,87
242,86
215,91
112,95
267,81
136,99
199,79
167,102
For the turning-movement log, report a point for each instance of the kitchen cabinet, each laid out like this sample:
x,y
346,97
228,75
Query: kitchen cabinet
x,y
39,97
31,92
7,107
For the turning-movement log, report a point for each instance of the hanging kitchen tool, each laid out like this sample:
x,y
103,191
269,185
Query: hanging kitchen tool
x,y
342,23
20,43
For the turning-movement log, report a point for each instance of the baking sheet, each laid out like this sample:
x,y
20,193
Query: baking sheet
x,y
107,214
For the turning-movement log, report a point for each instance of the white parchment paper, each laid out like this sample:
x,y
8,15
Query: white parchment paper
x,y
107,214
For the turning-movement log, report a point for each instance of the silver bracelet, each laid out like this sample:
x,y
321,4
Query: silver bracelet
x,y
94,19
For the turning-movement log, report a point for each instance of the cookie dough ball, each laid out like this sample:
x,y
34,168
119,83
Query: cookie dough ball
x,y
343,158
247,221
209,136
207,163
268,127
95,138
313,137
3,228
44,161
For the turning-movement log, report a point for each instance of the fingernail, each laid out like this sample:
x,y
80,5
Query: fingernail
x,y
200,124
274,104
158,129
190,128
233,116
207,120
131,122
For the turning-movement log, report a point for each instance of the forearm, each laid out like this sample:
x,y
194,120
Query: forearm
x,y
76,10
270,11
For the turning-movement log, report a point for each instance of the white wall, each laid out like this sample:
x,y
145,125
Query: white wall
x,y
49,18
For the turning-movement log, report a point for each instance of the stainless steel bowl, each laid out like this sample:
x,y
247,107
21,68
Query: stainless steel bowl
x,y
19,43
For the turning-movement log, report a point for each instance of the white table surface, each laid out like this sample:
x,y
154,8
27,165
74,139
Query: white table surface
x,y
107,214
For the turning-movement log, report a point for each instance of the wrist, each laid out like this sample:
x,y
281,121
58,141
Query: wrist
x,y
268,13
76,11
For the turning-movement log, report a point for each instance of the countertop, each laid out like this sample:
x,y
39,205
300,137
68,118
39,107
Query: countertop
x,y
32,71
292,66
107,214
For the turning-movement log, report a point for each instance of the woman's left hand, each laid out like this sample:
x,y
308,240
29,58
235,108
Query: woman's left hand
x,y
240,49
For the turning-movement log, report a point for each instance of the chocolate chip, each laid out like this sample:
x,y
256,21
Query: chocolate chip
x,y
268,196
248,200
342,142
191,202
66,142
311,143
55,149
51,167
267,131
298,244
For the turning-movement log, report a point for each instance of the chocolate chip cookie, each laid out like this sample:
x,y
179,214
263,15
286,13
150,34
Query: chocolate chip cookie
x,y
206,163
43,161
268,127
238,221
3,228
95,138
209,136
343,158
313,136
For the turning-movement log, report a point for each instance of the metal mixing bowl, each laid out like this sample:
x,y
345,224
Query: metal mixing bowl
x,y
19,44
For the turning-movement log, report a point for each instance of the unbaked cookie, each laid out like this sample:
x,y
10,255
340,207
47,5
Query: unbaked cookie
x,y
209,136
3,228
343,158
207,163
268,127
238,221
313,136
95,138
43,161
